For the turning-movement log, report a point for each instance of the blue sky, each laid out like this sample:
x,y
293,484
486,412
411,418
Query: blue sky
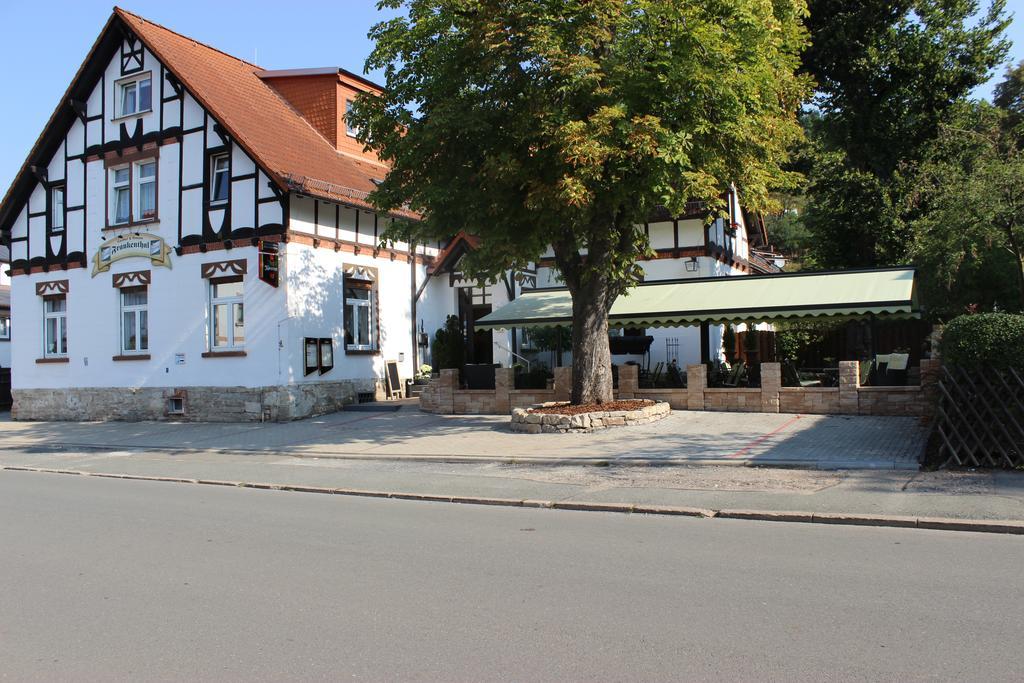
x,y
43,43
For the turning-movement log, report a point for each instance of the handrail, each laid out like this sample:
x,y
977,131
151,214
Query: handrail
x,y
505,348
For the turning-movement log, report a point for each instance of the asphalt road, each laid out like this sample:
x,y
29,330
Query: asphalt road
x,y
107,579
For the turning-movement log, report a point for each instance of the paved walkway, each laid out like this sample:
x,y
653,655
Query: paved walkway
x,y
824,442
960,495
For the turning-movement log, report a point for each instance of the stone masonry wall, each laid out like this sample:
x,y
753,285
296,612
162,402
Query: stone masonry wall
x,y
444,396
202,404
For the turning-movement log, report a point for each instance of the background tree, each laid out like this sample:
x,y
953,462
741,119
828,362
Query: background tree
x,y
563,123
969,195
887,74
1009,96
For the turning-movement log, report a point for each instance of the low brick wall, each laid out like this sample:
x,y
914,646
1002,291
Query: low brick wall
x,y
809,400
849,398
202,404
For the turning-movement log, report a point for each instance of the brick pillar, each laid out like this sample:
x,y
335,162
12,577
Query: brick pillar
x,y
504,382
931,369
629,381
563,383
771,382
447,383
696,383
849,383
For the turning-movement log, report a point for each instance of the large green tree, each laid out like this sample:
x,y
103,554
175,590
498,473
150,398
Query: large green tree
x,y
887,73
969,194
563,123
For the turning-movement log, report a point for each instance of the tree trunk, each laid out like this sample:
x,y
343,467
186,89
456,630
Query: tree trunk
x,y
591,356
1018,254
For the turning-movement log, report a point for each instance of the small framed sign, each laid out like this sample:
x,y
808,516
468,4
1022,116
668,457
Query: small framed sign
x,y
326,354
394,384
312,355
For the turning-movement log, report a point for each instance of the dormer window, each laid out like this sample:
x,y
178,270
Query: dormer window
x,y
135,96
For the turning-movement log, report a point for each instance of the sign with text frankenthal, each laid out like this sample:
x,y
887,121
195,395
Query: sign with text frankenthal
x,y
144,245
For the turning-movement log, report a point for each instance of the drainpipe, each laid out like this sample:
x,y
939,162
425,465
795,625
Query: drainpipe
x,y
413,294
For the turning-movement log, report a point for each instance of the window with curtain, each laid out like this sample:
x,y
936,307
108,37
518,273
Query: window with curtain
x,y
220,177
57,208
55,326
121,194
227,315
145,190
134,320
136,96
360,324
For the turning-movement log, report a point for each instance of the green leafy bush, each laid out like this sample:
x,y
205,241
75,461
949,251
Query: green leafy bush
x,y
449,347
985,339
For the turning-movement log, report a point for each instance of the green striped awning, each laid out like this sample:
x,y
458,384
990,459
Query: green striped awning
x,y
884,292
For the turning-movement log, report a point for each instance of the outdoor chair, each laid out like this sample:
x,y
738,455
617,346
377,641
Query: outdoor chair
x,y
675,378
791,377
656,375
896,370
734,378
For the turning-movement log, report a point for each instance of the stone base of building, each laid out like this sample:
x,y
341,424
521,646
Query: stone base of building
x,y
191,404
535,423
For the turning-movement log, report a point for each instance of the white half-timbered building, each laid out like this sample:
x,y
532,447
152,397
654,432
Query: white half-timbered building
x,y
190,239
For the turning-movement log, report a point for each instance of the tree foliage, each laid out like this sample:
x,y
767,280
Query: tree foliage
x,y
1009,96
969,195
887,73
563,123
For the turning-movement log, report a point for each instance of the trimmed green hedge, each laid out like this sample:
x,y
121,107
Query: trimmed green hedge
x,y
986,339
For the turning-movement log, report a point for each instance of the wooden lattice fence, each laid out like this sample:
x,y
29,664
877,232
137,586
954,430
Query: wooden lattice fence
x,y
980,418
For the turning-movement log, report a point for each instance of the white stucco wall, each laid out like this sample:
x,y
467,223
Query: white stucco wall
x,y
315,308
178,323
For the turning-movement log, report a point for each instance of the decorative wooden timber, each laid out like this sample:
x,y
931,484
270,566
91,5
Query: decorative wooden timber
x,y
224,268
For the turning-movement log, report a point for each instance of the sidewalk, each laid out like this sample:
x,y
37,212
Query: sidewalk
x,y
401,431
903,497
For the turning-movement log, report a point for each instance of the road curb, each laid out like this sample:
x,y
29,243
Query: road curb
x,y
990,526
539,460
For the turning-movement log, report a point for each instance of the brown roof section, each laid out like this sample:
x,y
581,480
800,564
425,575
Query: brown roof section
x,y
447,259
257,117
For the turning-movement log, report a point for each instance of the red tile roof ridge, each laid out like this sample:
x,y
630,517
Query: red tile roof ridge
x,y
122,11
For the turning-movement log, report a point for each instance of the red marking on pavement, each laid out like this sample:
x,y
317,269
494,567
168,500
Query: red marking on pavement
x,y
764,436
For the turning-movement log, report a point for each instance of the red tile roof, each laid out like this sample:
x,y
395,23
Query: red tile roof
x,y
259,119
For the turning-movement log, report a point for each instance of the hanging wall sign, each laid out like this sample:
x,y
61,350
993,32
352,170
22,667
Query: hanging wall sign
x,y
269,262
144,245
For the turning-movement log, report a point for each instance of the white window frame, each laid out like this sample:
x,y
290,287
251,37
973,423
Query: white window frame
x,y
370,305
137,182
231,302
114,187
60,325
5,326
133,185
133,82
57,211
136,310
214,159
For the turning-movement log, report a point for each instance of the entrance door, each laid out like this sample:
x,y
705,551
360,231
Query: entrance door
x,y
483,340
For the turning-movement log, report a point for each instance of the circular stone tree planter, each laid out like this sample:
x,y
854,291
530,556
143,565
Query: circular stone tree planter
x,y
544,417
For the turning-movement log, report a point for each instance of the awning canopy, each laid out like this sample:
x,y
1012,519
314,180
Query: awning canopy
x,y
884,292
